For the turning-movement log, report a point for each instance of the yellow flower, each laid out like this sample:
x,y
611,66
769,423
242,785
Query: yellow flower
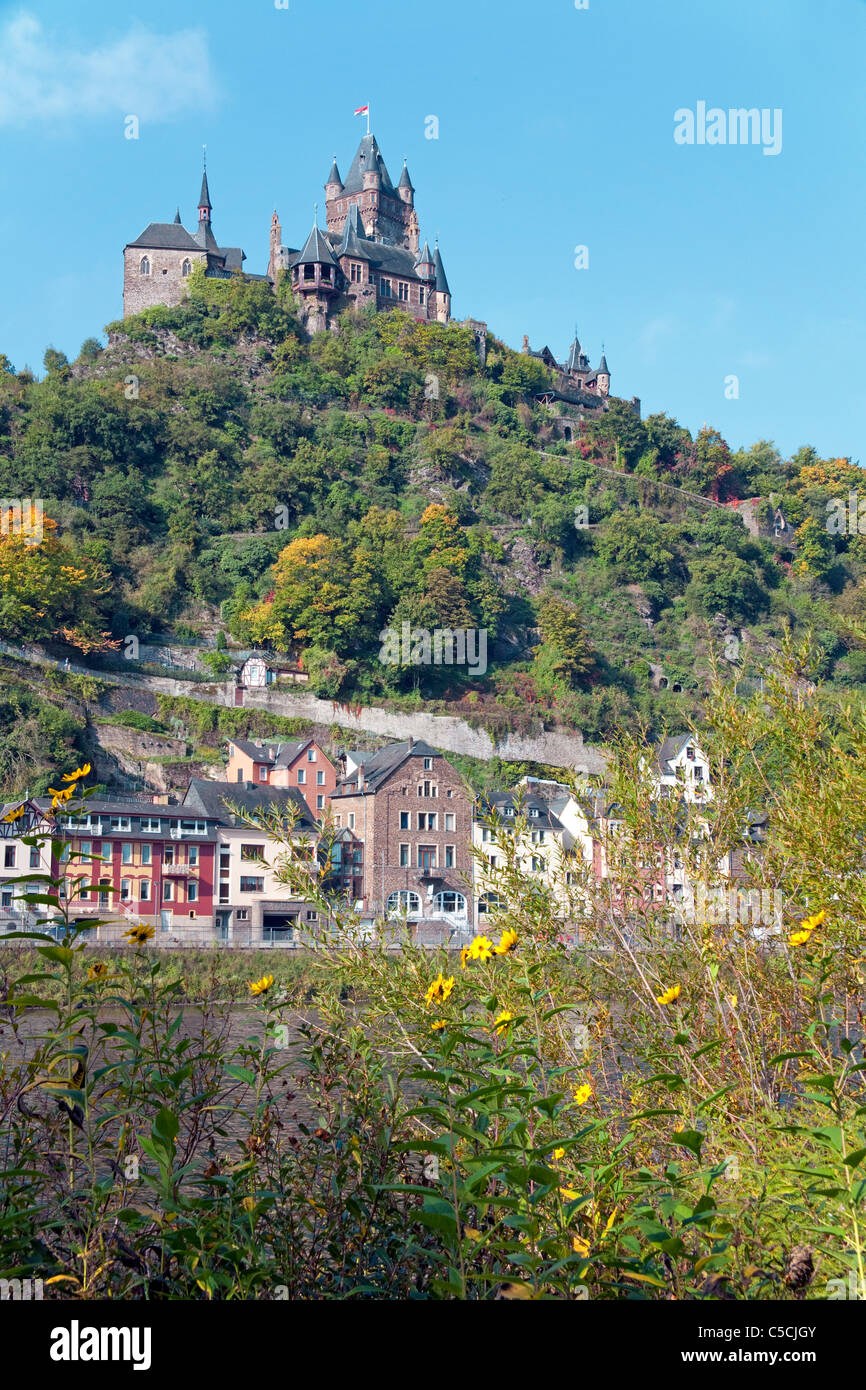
x,y
138,935
733,1001
98,971
79,772
558,1154
502,1022
669,995
438,1025
583,1093
507,942
481,948
464,956
59,797
14,815
439,990
807,926
261,986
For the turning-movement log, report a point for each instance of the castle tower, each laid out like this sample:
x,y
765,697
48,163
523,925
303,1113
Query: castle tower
x,y
204,236
275,244
603,375
315,276
443,292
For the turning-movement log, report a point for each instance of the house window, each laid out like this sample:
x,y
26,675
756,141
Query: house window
x,y
144,891
355,275
452,903
386,289
34,857
168,854
309,272
192,892
538,864
450,820
151,824
312,916
252,885
311,755
144,267
120,823
263,774
320,779
126,854
338,821
167,892
404,820
186,268
403,291
9,857
243,914
351,820
404,901
145,854
404,856
192,855
449,856
124,890
252,852
428,764
320,802
426,856
427,820
421,295
302,776
103,897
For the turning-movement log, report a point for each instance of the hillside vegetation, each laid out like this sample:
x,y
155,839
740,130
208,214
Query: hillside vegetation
x,y
215,470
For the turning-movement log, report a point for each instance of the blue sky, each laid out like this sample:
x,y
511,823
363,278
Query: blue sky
x,y
556,130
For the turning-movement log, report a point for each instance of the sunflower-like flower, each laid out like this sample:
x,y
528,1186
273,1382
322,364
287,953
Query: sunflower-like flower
x,y
139,934
583,1093
79,772
439,990
480,948
464,956
502,1022
98,970
60,796
558,1154
15,814
507,942
807,926
261,986
669,995
438,1025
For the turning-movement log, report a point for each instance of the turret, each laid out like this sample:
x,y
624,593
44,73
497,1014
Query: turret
x,y
276,242
334,186
404,187
443,292
205,236
603,375
314,278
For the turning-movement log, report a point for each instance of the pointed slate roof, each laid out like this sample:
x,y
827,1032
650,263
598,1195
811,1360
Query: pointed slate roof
x,y
204,197
378,769
425,257
334,176
368,156
441,277
575,356
353,235
405,181
316,251
602,366
177,216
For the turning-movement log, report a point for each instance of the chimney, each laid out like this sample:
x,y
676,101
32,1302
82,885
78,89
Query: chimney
x,y
525,343
411,743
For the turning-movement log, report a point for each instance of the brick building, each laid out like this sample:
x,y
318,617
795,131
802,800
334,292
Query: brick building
x,y
412,812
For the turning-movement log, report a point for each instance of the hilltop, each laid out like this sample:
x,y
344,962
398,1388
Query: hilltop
x,y
215,472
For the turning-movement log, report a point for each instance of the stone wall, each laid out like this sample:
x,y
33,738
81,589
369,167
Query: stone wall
x,y
164,285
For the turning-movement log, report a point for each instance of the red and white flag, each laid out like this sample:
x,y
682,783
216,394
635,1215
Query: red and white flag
x,y
363,111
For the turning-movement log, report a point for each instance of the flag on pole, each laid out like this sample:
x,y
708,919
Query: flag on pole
x,y
363,111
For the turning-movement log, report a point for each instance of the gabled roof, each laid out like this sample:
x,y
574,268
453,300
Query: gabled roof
x,y
275,754
368,156
166,236
377,769
671,749
215,800
316,250
535,810
441,278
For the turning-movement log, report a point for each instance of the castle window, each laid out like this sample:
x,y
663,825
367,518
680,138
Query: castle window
x,y
403,291
386,289
309,272
186,268
144,268
326,272
356,270
421,295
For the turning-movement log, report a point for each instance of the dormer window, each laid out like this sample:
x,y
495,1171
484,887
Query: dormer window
x,y
144,267
186,268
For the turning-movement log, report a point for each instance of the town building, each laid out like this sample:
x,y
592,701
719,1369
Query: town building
x,y
413,814
519,832
303,765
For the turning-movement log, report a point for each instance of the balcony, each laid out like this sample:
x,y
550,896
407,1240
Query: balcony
x,y
179,870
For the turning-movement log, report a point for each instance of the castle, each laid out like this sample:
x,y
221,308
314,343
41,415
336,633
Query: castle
x,y
369,252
